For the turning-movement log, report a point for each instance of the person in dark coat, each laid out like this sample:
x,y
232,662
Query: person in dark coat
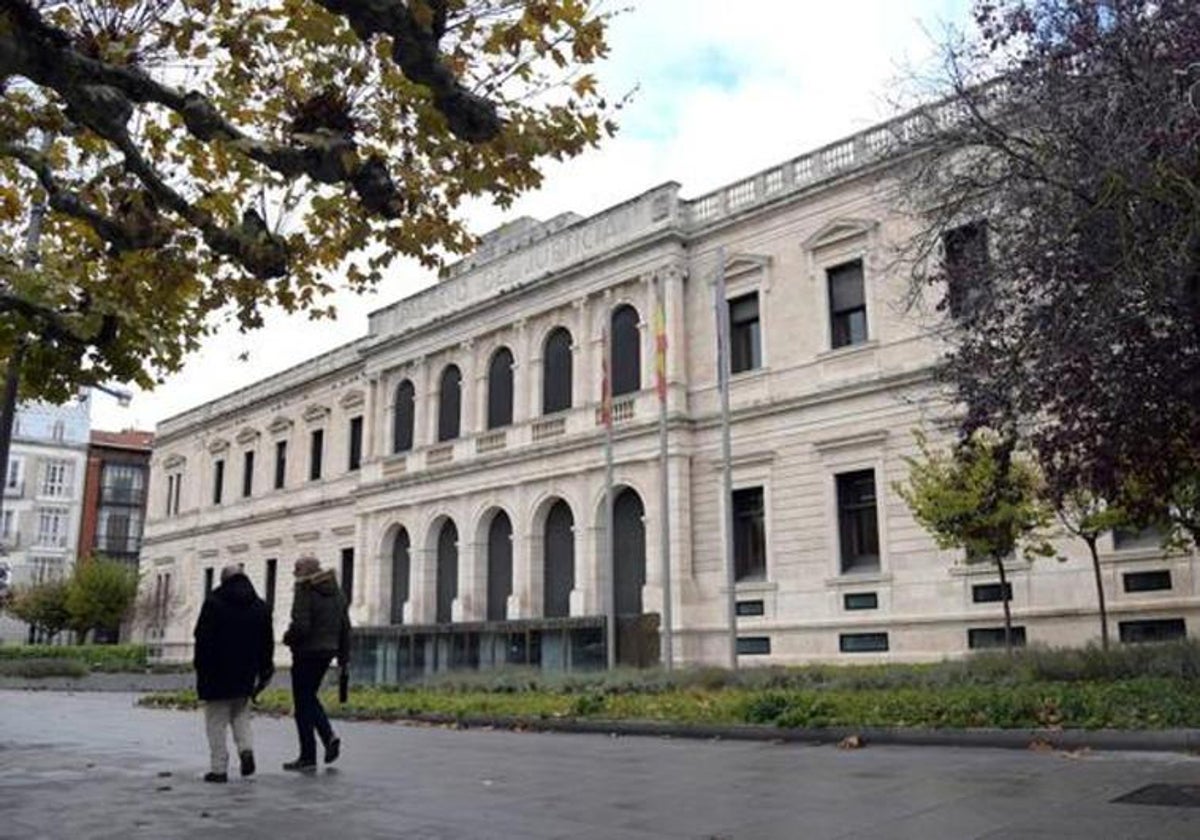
x,y
319,631
235,648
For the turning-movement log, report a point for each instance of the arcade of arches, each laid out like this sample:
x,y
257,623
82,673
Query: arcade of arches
x,y
554,530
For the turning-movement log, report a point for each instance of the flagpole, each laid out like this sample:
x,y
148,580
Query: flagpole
x,y
664,540
722,312
610,593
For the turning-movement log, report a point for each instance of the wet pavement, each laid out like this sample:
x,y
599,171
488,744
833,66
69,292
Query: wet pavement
x,y
95,766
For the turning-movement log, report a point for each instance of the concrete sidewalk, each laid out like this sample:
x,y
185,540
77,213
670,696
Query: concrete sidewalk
x,y
94,766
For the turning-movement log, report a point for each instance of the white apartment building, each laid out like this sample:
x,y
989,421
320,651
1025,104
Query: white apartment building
x,y
450,463
43,494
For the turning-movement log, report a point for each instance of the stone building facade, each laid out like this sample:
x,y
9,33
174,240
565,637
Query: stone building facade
x,y
450,463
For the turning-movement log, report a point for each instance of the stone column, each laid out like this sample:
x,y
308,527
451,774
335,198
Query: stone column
x,y
523,371
473,383
371,434
578,325
425,409
673,291
422,597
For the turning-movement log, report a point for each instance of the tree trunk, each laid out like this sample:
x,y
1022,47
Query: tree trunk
x,y
8,413
1008,644
1091,543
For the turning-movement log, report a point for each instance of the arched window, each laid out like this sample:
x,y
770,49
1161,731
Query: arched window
x,y
626,351
447,571
629,545
559,574
556,371
449,403
403,412
500,389
401,570
499,567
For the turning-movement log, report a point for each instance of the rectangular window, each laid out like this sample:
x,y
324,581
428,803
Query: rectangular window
x,y
749,535
178,490
966,263
356,437
218,480
847,305
6,525
170,492
247,473
208,581
52,527
269,586
122,484
749,608
280,464
863,642
1148,581
860,601
1149,537
745,336
753,645
316,450
981,638
348,574
991,593
1153,630
56,479
858,526
13,480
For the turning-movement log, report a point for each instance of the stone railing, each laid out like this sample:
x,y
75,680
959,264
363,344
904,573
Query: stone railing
x,y
439,455
827,162
548,428
491,441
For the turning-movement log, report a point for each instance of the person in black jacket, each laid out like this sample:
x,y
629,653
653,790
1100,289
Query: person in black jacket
x,y
319,630
235,649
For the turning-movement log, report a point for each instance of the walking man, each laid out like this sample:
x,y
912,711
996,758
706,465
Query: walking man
x,y
235,647
319,631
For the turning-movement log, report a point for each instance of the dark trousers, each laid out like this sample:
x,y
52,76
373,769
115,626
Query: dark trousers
x,y
307,673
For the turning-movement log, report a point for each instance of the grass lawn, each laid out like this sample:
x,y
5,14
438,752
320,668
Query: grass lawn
x,y
1144,687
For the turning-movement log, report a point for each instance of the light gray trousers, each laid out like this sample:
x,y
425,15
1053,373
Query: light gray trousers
x,y
220,715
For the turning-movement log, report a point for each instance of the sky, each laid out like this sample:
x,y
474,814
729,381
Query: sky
x,y
721,90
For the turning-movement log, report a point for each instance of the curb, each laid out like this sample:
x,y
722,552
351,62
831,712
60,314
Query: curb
x,y
1165,740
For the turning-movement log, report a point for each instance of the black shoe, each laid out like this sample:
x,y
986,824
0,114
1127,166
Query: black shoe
x,y
219,778
332,750
247,758
301,764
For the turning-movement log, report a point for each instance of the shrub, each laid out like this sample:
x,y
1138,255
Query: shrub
x,y
94,657
38,668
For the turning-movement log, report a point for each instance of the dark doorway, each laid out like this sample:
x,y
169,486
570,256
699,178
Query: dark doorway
x,y
629,539
556,371
499,567
500,390
449,404
447,571
559,545
402,419
401,569
626,351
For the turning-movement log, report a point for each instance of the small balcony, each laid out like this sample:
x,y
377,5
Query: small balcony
x,y
14,489
117,545
119,494
10,541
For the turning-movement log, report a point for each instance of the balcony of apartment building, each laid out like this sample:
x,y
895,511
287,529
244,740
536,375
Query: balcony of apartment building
x,y
118,546
14,489
122,495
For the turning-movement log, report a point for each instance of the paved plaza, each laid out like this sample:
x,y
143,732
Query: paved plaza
x,y
91,766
